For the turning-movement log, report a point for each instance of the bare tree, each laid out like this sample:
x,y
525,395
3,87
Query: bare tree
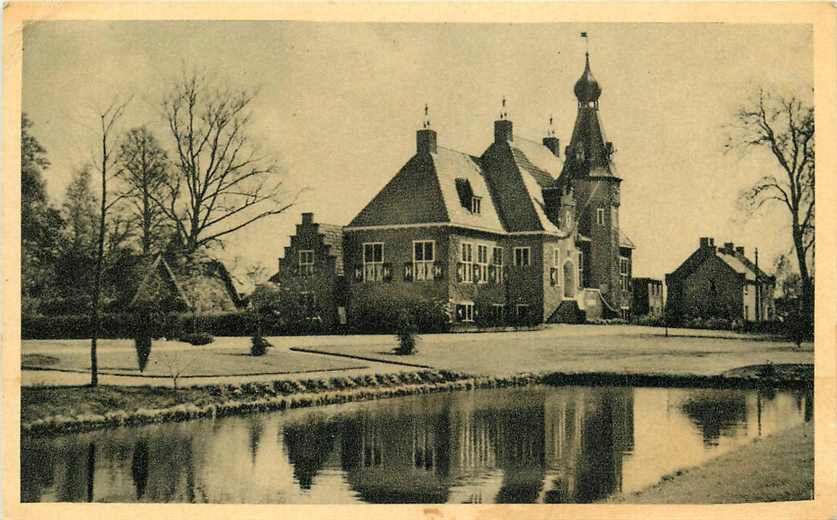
x,y
145,172
785,127
221,183
108,118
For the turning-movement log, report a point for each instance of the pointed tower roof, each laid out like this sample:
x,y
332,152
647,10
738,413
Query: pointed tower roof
x,y
589,153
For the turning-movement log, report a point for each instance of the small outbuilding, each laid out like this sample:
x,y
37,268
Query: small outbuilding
x,y
721,282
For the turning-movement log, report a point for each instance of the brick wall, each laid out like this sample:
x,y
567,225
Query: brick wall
x,y
699,299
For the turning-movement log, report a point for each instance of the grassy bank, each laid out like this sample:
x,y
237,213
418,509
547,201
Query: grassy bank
x,y
777,468
56,410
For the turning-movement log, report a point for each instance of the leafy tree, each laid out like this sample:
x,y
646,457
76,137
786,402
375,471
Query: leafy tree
x,y
72,282
144,171
784,126
79,210
220,182
41,223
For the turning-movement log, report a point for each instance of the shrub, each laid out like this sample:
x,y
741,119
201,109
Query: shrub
x,y
406,334
197,338
259,346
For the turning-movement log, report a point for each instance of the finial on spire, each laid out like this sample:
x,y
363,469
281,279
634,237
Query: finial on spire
x,y
503,113
550,130
426,123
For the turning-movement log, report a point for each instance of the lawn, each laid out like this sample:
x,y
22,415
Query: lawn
x,y
230,357
557,350
777,468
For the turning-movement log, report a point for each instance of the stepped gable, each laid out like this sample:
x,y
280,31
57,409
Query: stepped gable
x,y
333,238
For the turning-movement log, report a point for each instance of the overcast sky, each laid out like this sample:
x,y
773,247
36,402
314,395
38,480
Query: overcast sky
x,y
340,103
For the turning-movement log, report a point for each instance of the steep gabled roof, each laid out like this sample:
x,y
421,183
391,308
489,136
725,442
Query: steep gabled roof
x,y
451,165
518,171
734,260
413,196
145,292
536,160
425,191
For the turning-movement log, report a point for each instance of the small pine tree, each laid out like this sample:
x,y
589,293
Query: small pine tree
x,y
407,337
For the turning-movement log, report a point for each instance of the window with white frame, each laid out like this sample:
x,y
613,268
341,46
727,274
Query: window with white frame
x,y
465,312
306,262
497,262
555,270
476,203
373,261
498,311
522,256
424,254
466,258
482,263
600,216
624,272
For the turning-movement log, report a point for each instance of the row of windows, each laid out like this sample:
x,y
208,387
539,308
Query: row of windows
x,y
424,256
466,312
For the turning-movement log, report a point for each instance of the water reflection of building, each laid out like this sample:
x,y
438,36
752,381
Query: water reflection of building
x,y
589,430
567,448
514,445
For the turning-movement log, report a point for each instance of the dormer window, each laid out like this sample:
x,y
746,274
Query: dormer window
x,y
475,205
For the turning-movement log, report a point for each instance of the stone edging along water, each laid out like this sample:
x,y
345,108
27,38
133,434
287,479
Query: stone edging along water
x,y
282,395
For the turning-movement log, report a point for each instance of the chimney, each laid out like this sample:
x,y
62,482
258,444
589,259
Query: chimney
x,y
554,145
729,248
307,218
707,243
503,131
426,141
739,250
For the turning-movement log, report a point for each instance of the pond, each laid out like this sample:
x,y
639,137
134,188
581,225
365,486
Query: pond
x,y
533,444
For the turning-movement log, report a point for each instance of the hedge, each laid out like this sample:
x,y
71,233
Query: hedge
x,y
125,325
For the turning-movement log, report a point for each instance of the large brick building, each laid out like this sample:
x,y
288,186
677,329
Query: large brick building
x,y
720,283
522,231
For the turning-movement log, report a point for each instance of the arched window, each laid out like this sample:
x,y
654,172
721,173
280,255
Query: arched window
x,y
569,279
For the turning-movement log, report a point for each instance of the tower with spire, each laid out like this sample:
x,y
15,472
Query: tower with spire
x,y
589,171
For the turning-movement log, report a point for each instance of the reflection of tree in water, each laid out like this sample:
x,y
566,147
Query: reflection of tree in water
x,y
716,413
597,430
163,468
139,467
308,445
73,484
401,458
255,427
36,471
520,451
805,402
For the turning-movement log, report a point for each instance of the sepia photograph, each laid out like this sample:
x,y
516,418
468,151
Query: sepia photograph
x,y
336,262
